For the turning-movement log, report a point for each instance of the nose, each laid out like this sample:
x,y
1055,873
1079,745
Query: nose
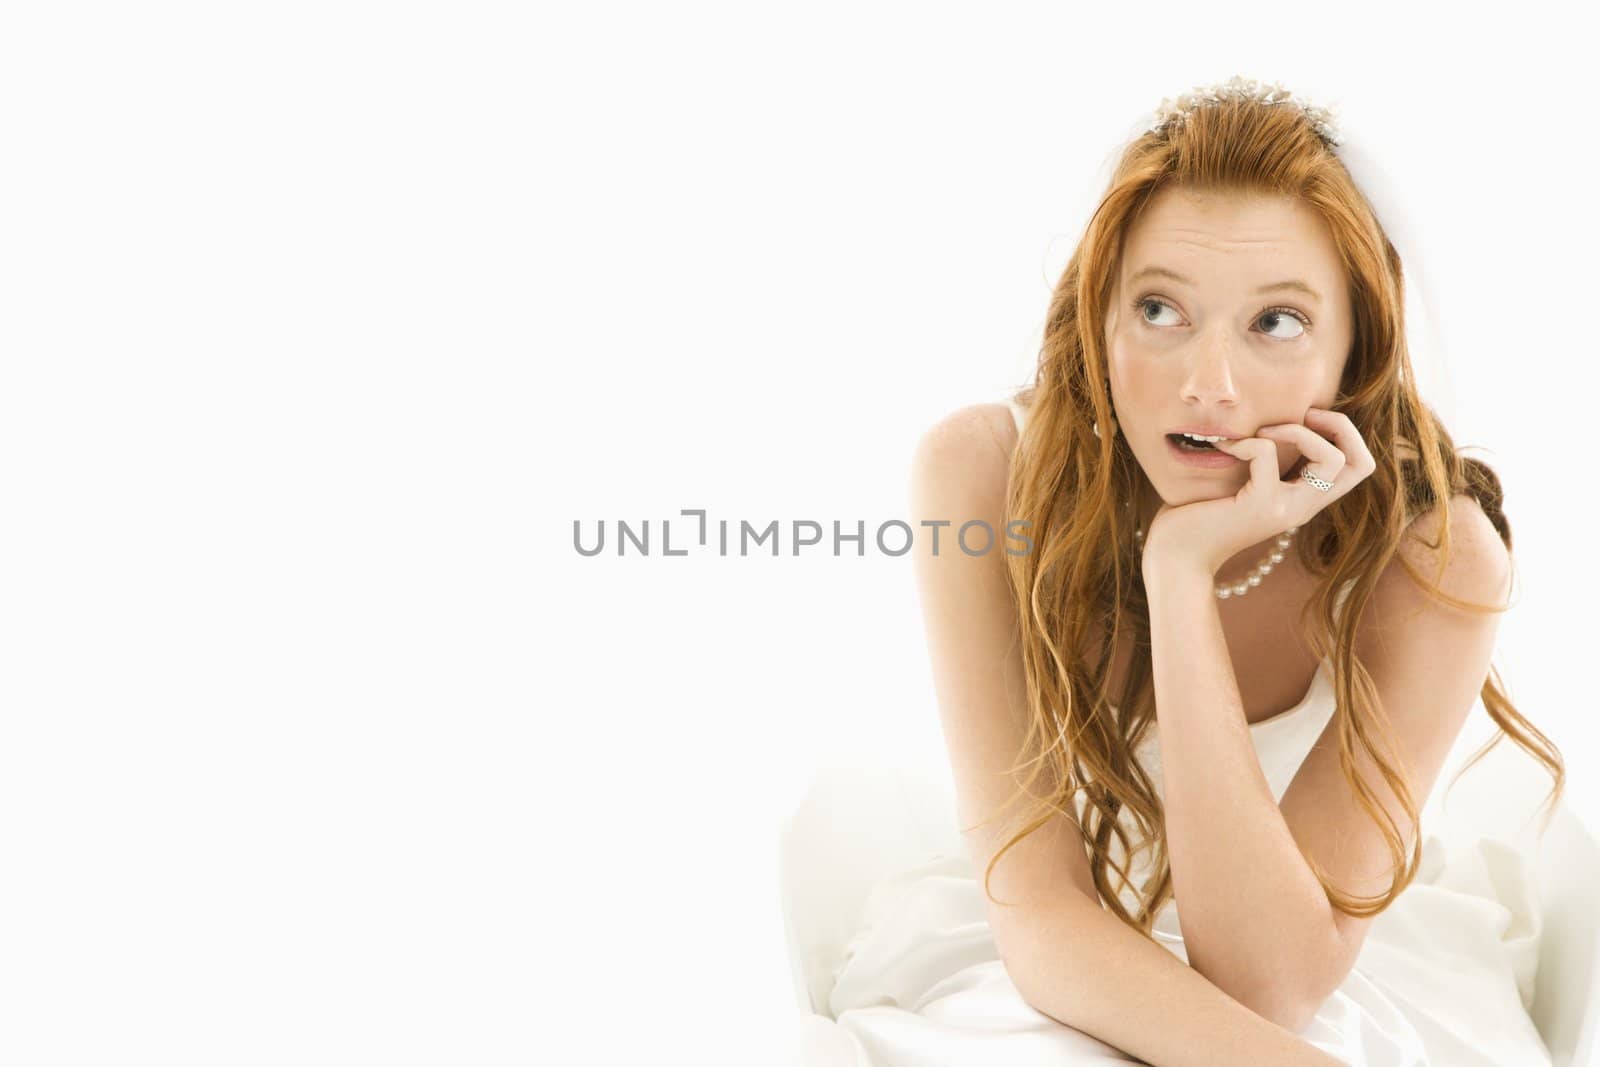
x,y
1209,379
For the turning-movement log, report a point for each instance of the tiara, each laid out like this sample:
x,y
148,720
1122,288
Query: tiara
x,y
1322,119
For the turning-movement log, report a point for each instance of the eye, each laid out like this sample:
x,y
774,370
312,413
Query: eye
x,y
1278,316
1145,302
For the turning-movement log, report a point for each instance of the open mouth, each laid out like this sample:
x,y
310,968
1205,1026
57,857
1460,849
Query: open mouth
x,y
1189,444
1200,454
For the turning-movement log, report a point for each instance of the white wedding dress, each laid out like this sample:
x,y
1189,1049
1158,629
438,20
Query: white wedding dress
x,y
1444,978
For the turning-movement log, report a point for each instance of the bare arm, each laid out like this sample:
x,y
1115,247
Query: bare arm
x,y
1078,964
1255,918
1069,958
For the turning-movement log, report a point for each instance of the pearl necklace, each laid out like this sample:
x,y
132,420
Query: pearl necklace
x,y
1261,570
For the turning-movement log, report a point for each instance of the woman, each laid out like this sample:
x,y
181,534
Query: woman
x,y
1240,525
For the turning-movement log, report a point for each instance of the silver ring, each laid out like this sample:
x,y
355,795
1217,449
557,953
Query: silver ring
x,y
1312,480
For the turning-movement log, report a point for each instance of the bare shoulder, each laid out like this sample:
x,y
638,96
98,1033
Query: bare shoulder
x,y
971,620
1477,568
1478,562
966,453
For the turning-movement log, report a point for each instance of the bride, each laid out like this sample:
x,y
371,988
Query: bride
x,y
1242,520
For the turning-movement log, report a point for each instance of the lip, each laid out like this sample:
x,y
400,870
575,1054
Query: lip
x,y
1208,431
1204,460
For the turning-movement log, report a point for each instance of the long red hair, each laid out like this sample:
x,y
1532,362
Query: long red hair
x,y
1065,483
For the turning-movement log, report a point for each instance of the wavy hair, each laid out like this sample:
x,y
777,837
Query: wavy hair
x,y
1064,481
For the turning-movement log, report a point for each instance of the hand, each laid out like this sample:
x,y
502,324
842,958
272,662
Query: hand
x,y
1207,533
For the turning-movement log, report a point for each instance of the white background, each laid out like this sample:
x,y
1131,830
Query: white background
x,y
326,321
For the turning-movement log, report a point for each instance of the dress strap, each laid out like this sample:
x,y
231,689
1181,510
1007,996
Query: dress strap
x,y
1339,596
1019,415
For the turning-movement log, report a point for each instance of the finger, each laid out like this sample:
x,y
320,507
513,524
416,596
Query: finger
x,y
1326,462
1337,425
1326,458
1262,455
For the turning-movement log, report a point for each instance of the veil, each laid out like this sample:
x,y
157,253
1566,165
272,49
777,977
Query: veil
x,y
1425,339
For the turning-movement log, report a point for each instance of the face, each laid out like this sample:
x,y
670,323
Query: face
x,y
1204,331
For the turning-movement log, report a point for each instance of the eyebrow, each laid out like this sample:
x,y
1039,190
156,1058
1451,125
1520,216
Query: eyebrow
x,y
1295,284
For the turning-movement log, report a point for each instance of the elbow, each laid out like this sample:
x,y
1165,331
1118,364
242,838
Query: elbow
x,y
1288,991
1039,958
1283,1003
1292,997
1277,996
1294,1015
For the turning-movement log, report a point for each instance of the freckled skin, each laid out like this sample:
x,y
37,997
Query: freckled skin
x,y
1213,353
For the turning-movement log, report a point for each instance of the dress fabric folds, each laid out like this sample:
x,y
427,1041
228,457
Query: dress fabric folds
x,y
1445,977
